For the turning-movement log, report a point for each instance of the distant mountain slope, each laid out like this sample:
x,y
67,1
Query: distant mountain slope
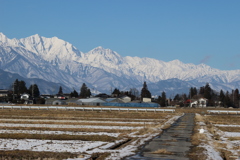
x,y
55,60
7,79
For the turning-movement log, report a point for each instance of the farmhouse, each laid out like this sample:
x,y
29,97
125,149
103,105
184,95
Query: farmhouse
x,y
3,93
201,102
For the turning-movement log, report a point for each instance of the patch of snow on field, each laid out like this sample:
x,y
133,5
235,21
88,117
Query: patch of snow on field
x,y
68,126
232,134
72,146
211,153
76,146
58,132
229,144
226,125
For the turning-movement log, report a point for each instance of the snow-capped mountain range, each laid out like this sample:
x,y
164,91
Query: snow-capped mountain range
x,y
55,60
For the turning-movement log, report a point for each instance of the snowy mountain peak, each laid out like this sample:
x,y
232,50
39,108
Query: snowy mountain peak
x,y
2,35
99,57
3,38
56,60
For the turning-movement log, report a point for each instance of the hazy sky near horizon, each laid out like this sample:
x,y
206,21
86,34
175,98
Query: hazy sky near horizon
x,y
193,31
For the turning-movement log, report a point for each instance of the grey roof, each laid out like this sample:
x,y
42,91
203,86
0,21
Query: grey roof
x,y
91,100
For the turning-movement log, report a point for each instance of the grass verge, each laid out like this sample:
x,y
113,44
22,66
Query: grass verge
x,y
162,151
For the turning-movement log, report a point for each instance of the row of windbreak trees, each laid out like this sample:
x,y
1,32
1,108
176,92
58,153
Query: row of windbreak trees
x,y
19,88
224,99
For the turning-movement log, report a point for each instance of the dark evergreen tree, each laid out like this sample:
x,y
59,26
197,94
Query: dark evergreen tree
x,y
145,92
74,93
207,92
222,98
236,98
227,100
193,92
34,91
22,87
16,87
177,97
89,92
201,91
163,100
84,91
60,90
116,92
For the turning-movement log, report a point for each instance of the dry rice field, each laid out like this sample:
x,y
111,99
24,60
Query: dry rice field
x,y
216,136
56,134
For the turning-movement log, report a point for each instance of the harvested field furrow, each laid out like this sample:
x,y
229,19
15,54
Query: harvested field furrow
x,y
84,124
103,138
82,119
57,132
86,133
67,126
69,129
73,121
62,114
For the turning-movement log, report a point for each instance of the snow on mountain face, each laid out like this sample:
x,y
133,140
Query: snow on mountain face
x,y
58,61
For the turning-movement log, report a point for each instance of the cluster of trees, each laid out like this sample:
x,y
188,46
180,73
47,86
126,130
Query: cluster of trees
x,y
133,93
224,99
145,93
19,87
85,92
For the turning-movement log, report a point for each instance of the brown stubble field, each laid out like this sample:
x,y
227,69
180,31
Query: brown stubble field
x,y
137,126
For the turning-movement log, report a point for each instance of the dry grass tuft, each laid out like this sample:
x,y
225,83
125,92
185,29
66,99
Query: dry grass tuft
x,y
197,138
199,118
99,156
197,153
162,151
166,126
234,138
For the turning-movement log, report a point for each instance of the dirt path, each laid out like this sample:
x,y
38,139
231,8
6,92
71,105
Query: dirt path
x,y
175,140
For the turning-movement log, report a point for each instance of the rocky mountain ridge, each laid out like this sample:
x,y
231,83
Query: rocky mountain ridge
x,y
55,60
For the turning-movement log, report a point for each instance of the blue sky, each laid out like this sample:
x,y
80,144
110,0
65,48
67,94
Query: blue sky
x,y
193,31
